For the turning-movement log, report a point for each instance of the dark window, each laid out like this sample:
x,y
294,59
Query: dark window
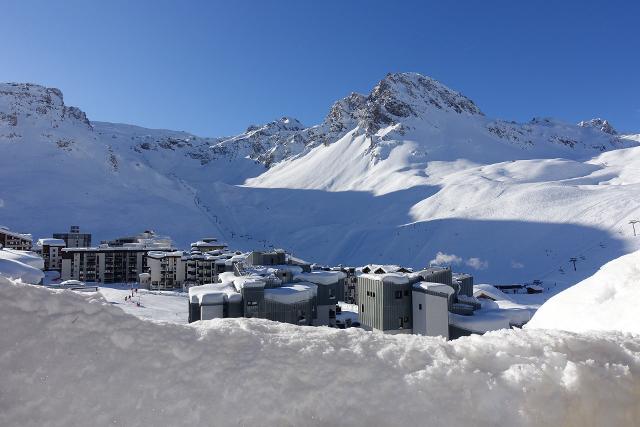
x,y
406,293
398,294
419,306
373,294
362,309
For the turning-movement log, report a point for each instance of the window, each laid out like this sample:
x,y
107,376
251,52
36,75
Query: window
x,y
406,293
362,309
398,294
419,306
252,303
373,294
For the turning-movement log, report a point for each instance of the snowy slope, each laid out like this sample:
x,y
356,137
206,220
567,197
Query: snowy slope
x,y
401,174
604,301
74,360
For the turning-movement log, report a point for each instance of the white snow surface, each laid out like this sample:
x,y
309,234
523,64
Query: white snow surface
x,y
72,359
605,301
25,257
21,265
321,277
291,293
393,278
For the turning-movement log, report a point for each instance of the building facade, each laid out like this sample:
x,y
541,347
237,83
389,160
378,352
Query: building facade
x,y
167,270
384,302
12,240
51,252
74,239
104,264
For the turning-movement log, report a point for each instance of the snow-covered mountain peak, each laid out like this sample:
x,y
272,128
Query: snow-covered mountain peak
x,y
26,103
600,124
282,124
394,99
404,94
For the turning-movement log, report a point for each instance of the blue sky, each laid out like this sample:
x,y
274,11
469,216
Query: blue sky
x,y
213,68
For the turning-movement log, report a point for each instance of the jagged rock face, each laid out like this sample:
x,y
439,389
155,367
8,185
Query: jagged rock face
x,y
344,114
266,144
27,100
402,95
600,124
551,131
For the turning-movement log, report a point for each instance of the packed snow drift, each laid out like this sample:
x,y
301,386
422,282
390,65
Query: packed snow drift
x,y
21,265
605,301
72,359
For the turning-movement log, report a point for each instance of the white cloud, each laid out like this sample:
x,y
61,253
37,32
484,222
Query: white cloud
x,y
516,264
477,263
445,259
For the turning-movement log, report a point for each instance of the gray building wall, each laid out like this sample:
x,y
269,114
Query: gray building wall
x,y
300,313
465,283
437,275
384,306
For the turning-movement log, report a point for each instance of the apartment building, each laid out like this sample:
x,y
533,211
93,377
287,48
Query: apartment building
x,y
51,252
202,268
12,240
118,263
74,239
167,270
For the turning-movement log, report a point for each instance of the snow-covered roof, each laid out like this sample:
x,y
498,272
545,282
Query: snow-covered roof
x,y
492,292
384,268
265,270
51,242
290,294
321,277
227,290
393,278
164,254
5,230
252,281
434,287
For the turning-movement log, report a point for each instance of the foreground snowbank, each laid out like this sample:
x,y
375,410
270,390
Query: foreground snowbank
x,y
608,300
21,265
72,359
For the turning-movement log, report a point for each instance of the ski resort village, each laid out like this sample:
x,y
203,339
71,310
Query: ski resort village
x,y
148,277
319,213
